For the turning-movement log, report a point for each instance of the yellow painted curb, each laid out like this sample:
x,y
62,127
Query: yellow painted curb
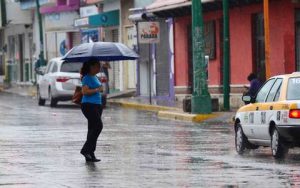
x,y
146,107
176,116
202,117
186,117
166,112
33,93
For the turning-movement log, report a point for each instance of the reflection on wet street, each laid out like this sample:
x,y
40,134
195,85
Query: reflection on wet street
x,y
40,148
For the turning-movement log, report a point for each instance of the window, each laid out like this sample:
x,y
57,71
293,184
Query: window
x,y
293,92
275,91
71,67
48,67
277,95
264,91
54,68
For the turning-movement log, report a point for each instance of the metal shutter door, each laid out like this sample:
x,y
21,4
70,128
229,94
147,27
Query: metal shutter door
x,y
162,63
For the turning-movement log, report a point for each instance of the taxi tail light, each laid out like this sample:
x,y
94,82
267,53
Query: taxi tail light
x,y
295,114
62,79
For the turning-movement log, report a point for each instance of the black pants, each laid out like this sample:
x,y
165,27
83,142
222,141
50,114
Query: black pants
x,y
93,113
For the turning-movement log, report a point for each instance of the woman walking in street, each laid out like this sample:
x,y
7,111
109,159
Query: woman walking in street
x,y
91,107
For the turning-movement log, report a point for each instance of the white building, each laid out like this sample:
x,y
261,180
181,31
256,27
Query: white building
x,y
19,44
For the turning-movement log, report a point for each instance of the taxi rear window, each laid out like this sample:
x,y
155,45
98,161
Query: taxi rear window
x,y
293,92
71,67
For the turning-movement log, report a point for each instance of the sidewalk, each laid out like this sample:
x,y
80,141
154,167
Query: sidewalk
x,y
171,110
23,90
164,108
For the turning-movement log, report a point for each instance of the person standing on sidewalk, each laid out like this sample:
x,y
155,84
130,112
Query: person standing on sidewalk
x,y
91,108
255,85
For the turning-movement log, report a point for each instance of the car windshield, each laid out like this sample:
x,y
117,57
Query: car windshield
x,y
293,92
71,67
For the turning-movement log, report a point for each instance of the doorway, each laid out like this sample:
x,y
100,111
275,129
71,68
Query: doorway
x,y
221,46
21,57
297,27
130,65
190,58
259,66
112,35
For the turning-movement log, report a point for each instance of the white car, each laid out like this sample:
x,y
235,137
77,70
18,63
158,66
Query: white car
x,y
58,82
272,118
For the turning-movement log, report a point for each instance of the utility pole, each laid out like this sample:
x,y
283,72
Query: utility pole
x,y
3,13
201,100
226,60
41,55
267,38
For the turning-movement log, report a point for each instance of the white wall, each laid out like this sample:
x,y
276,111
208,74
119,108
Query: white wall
x,y
15,30
63,21
53,41
142,3
110,5
17,16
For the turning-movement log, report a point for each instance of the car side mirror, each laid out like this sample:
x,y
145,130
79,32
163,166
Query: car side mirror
x,y
248,99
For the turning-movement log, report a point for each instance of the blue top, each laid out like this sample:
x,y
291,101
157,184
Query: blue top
x,y
255,85
92,82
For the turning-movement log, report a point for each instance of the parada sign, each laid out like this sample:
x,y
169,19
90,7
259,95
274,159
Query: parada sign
x,y
149,32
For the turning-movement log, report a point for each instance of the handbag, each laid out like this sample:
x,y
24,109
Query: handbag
x,y
77,97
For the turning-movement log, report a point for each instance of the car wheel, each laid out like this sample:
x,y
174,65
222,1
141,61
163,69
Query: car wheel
x,y
240,140
53,101
41,101
279,149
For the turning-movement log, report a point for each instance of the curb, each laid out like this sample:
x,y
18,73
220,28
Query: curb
x,y
137,106
187,117
25,94
167,112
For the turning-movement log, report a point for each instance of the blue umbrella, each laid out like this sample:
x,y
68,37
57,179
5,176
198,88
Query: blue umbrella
x,y
101,51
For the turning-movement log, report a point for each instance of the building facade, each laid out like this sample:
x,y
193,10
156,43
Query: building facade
x,y
60,33
247,52
100,21
18,43
156,63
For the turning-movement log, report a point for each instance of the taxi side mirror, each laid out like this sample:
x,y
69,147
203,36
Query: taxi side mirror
x,y
248,99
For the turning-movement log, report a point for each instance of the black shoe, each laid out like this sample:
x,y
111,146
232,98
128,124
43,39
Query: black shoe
x,y
94,158
88,157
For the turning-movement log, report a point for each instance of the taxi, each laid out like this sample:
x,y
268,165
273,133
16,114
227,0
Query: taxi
x,y
272,118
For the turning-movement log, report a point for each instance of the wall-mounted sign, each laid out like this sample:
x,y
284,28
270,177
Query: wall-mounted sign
x,y
81,22
63,48
88,11
89,35
149,32
106,19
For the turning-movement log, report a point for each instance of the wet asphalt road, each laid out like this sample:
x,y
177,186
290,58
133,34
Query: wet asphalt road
x,y
40,148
